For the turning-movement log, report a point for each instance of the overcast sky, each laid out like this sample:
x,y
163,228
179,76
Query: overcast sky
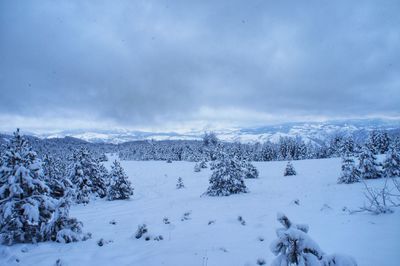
x,y
196,64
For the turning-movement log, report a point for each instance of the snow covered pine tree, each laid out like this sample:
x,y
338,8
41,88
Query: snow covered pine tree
x,y
350,173
295,247
55,178
289,170
368,166
227,177
86,177
27,212
119,187
391,164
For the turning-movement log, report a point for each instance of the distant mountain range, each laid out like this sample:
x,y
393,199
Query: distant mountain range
x,y
308,131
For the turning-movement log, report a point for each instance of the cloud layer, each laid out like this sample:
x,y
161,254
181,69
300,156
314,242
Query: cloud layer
x,y
178,63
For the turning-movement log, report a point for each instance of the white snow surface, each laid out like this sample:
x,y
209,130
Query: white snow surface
x,y
370,239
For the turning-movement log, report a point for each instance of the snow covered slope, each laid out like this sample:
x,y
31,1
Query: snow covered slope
x,y
371,240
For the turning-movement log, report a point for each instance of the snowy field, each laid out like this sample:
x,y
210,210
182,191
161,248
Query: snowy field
x,y
370,239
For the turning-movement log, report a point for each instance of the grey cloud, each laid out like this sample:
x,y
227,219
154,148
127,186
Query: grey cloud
x,y
144,62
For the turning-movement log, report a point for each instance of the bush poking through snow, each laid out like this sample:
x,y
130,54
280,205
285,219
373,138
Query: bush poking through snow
x,y
261,261
142,229
294,247
289,170
142,232
241,220
120,187
166,220
186,216
180,184
197,168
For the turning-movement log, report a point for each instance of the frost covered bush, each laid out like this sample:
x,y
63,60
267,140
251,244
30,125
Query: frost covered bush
x,y
289,170
28,214
350,173
119,185
295,247
227,177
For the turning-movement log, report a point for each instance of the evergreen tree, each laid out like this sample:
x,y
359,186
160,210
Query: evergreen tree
x,y
120,187
55,178
368,166
289,170
26,208
379,142
227,177
349,173
391,164
180,184
86,177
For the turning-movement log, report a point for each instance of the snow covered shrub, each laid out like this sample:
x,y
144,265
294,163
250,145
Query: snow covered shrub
x,y
180,184
119,185
349,173
250,171
368,166
166,220
294,247
86,176
391,164
289,170
197,168
28,213
169,161
203,164
227,177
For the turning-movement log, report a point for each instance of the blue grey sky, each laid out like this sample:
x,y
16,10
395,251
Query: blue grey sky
x,y
172,65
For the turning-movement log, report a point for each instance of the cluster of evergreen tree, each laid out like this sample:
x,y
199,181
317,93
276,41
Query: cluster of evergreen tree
x,y
35,194
28,211
368,166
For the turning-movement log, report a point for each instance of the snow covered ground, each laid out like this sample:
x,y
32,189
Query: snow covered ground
x,y
370,239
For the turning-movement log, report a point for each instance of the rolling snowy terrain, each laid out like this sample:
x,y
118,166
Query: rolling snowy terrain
x,y
307,131
211,233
